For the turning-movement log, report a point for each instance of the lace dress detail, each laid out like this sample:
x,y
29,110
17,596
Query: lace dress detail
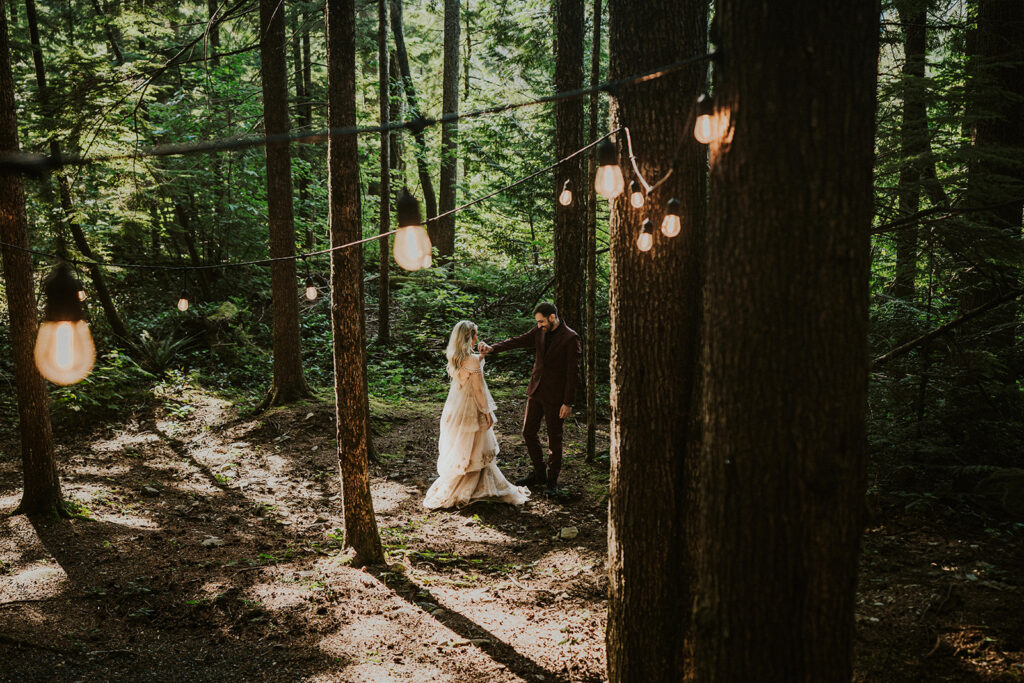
x,y
467,465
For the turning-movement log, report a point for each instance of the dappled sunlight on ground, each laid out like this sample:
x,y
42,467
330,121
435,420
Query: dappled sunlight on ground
x,y
215,545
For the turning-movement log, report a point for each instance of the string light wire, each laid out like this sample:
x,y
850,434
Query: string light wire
x,y
38,164
266,261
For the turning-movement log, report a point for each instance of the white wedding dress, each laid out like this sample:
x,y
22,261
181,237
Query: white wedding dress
x,y
467,449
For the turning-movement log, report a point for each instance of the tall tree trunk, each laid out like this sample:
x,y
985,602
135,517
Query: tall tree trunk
x,y
289,383
42,485
347,320
784,337
590,356
655,295
467,13
395,114
111,32
570,221
384,95
429,198
995,172
445,228
64,189
213,37
301,100
913,141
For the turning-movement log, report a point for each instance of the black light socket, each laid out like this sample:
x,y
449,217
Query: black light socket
x,y
606,153
61,289
408,210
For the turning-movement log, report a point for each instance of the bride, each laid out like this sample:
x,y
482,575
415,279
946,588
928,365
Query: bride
x,y
467,446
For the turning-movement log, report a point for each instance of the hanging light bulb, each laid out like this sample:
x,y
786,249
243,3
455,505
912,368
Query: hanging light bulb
x,y
645,240
671,225
705,127
636,197
608,181
565,198
82,296
64,351
412,248
310,288
183,301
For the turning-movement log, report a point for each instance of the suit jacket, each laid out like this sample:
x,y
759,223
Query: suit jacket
x,y
553,380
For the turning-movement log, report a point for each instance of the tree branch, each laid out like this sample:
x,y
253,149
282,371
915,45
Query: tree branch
x,y
906,348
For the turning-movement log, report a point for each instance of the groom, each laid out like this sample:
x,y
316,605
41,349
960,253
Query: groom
x,y
551,390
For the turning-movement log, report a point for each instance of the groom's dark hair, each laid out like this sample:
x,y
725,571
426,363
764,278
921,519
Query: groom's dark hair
x,y
546,309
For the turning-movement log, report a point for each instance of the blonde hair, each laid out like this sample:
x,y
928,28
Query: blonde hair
x,y
460,345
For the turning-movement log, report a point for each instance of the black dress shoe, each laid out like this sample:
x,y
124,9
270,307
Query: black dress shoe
x,y
534,478
551,488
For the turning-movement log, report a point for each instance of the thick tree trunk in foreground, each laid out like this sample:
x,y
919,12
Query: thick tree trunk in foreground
x,y
347,322
429,198
655,313
784,342
42,485
570,227
449,131
289,383
590,355
384,95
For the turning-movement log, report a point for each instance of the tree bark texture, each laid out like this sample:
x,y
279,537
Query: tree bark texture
x,y
384,95
449,131
655,313
590,339
570,237
289,383
429,198
347,320
913,141
42,485
784,342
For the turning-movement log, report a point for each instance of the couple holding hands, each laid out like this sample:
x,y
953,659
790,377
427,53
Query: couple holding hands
x,y
467,448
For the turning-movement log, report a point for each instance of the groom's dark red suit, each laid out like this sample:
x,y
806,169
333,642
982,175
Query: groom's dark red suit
x,y
552,384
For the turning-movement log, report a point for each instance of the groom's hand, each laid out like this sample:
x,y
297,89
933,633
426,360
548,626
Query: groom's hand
x,y
565,411
484,348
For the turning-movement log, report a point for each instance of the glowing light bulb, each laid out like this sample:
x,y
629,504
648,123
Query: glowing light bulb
x,y
645,240
565,198
64,352
310,288
636,197
608,181
671,225
183,302
705,129
412,248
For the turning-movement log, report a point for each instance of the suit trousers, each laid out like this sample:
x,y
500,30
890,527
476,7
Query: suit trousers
x,y
535,411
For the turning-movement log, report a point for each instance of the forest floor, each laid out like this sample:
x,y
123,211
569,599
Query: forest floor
x,y
208,548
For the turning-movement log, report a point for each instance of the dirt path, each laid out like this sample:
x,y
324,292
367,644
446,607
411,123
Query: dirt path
x,y
212,551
